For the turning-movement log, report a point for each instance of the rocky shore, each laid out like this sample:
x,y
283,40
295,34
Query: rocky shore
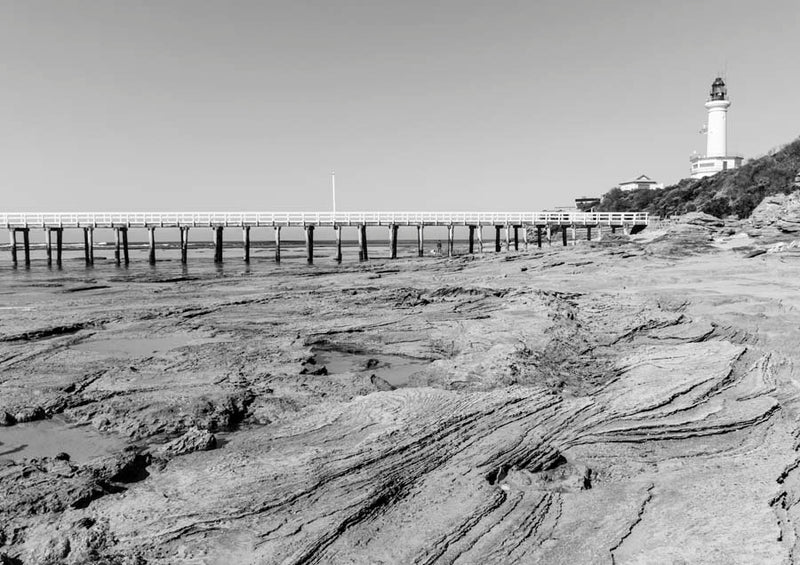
x,y
631,400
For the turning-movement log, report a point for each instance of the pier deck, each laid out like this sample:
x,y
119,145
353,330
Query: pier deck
x,y
121,222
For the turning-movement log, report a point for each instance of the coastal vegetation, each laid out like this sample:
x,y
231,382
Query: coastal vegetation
x,y
735,192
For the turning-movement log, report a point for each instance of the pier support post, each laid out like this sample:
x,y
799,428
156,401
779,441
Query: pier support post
x,y
125,255
471,240
309,244
508,237
363,254
539,237
516,238
184,245
218,244
393,241
420,240
564,235
451,230
338,243
480,239
117,244
59,245
588,233
88,245
497,238
26,246
151,241
48,247
12,238
613,229
277,244
246,243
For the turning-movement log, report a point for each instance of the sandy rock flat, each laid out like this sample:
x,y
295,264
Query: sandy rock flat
x,y
628,402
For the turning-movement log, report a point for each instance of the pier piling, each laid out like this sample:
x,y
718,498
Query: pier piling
x,y
218,244
497,238
363,254
516,238
309,244
48,247
117,247
539,237
471,240
59,245
124,233
26,244
420,242
451,229
564,235
393,241
246,243
88,246
277,244
588,233
508,238
12,237
184,245
338,230
151,240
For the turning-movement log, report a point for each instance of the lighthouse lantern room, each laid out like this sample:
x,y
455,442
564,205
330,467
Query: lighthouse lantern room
x,y
716,158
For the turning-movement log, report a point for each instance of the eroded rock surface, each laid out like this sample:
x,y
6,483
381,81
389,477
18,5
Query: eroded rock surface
x,y
618,404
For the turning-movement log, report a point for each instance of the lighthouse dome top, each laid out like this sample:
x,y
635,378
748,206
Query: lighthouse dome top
x,y
718,90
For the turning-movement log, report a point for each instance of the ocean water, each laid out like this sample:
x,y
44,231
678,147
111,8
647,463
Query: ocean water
x,y
200,260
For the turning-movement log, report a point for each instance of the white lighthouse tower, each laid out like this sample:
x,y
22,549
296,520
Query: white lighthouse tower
x,y
716,158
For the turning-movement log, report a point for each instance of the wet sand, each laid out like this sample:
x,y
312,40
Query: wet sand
x,y
627,402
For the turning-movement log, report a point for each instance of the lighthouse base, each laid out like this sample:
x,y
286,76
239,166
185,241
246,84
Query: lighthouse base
x,y
707,166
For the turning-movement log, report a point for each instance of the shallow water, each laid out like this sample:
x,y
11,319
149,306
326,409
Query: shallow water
x,y
48,438
394,369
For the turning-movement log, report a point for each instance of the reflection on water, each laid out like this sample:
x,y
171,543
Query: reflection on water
x,y
394,369
48,438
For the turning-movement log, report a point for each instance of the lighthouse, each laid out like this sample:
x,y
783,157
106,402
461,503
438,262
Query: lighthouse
x,y
716,158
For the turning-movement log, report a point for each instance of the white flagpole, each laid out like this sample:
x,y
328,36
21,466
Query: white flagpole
x,y
333,189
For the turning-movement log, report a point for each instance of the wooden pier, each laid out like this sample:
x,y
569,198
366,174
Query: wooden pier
x,y
505,224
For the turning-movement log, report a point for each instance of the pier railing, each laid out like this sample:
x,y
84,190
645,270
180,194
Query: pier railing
x,y
286,219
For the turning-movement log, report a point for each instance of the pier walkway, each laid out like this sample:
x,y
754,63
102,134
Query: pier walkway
x,y
545,224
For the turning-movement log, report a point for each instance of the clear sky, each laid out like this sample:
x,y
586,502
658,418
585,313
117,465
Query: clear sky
x,y
417,105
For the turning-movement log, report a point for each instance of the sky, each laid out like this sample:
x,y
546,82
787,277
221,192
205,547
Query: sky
x,y
167,105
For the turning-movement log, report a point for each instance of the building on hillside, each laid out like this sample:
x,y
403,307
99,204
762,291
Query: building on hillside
x,y
587,203
642,181
716,158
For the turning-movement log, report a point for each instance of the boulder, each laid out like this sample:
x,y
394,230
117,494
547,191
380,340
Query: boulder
x,y
193,440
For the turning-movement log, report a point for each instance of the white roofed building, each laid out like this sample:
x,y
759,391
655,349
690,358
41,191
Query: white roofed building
x,y
642,181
